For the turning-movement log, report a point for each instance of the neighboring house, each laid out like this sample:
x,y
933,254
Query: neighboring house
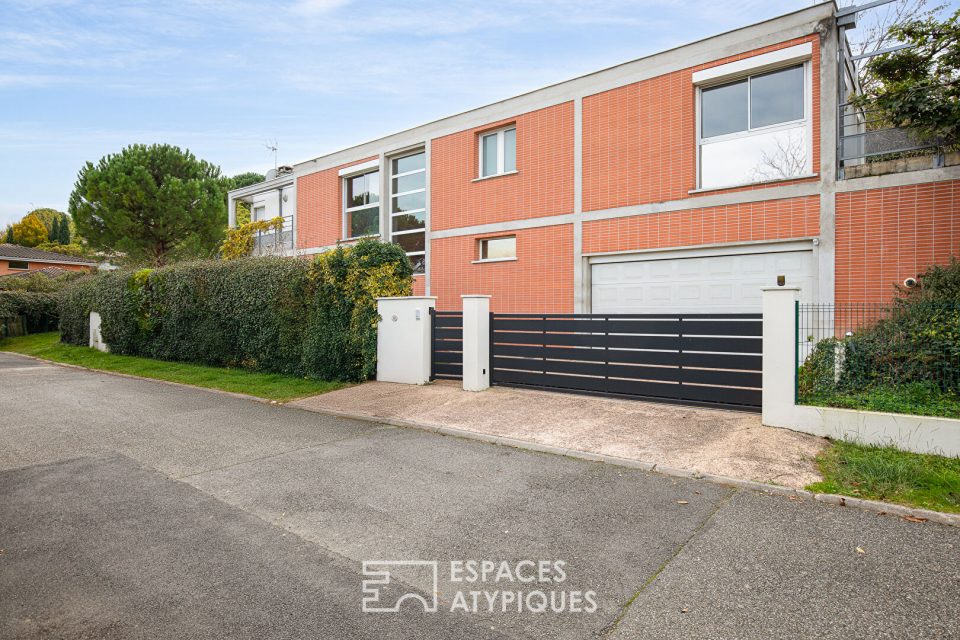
x,y
682,181
15,259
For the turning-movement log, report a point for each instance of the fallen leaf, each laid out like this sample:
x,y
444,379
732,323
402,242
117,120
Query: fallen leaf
x,y
860,550
684,610
682,502
914,519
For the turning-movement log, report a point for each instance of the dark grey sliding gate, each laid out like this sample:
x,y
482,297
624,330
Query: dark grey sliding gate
x,y
446,345
696,359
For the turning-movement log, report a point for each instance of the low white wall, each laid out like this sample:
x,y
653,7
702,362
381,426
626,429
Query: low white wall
x,y
403,339
920,434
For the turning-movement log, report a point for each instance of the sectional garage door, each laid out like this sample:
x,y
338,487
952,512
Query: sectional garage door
x,y
713,284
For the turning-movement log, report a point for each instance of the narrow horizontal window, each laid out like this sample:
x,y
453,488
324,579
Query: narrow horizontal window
x,y
18,265
498,248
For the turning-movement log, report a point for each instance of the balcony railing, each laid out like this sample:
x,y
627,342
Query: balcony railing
x,y
272,243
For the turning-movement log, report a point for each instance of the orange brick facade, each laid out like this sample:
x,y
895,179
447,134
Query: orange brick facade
x,y
33,265
320,207
542,185
540,279
886,235
747,222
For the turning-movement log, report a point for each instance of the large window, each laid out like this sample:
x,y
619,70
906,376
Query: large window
x,y
408,206
498,152
362,205
754,129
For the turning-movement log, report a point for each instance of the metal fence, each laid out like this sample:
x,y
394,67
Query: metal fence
x,y
272,243
849,349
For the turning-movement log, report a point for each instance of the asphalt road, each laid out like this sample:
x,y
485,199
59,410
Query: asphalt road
x,y
135,509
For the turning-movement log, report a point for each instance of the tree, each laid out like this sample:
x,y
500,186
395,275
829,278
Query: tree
x,y
9,234
919,88
29,232
244,180
54,234
64,236
151,204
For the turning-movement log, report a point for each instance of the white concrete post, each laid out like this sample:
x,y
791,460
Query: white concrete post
x,y
476,342
403,339
779,355
96,338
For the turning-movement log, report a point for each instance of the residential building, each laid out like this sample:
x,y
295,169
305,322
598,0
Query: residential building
x,y
681,181
15,259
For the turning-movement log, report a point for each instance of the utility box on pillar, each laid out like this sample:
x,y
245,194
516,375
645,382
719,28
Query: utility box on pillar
x,y
476,342
403,339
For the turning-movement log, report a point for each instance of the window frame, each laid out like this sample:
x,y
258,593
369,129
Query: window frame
x,y
346,211
481,242
425,189
806,121
26,264
501,151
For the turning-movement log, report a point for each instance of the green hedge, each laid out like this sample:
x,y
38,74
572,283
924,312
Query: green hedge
x,y
313,318
40,310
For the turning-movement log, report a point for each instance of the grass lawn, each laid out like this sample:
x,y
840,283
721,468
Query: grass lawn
x,y
885,473
918,400
271,386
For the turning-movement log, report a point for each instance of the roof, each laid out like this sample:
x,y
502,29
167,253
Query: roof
x,y
16,252
50,272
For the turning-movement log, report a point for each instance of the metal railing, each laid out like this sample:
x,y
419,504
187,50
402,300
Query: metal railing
x,y
273,243
865,136
910,351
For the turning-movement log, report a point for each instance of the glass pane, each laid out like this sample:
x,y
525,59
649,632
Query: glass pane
x,y
373,186
410,182
771,155
408,221
723,109
510,150
364,222
489,165
411,241
776,97
363,189
495,248
409,202
409,163
419,263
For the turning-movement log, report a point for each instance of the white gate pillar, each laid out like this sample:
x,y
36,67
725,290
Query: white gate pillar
x,y
779,355
476,342
403,339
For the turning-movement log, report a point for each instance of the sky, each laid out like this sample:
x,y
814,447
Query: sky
x,y
225,78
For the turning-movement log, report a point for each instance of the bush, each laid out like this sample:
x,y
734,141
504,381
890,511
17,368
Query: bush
x,y
39,282
284,315
75,304
39,310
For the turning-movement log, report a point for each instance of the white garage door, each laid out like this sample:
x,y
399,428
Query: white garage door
x,y
715,284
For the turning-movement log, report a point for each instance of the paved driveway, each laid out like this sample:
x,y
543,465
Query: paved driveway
x,y
137,509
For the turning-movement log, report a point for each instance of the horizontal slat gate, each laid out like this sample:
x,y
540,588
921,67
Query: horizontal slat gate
x,y
446,345
699,359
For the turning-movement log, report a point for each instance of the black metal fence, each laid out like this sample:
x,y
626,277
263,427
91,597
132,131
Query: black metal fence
x,y
446,344
848,350
699,359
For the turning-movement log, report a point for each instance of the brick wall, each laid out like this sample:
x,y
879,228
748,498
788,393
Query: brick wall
x,y
33,265
639,140
540,279
766,220
320,207
542,186
886,235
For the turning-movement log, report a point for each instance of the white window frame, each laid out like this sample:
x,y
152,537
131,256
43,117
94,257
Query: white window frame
x,y
501,152
344,177
393,195
746,74
480,244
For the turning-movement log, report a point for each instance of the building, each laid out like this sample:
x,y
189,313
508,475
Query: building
x,y
681,181
15,260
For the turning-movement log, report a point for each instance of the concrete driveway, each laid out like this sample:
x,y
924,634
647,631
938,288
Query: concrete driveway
x,y
132,508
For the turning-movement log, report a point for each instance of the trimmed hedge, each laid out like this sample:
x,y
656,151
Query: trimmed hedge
x,y
40,310
312,318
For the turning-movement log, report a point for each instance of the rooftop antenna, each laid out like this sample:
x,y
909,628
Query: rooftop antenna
x,y
273,146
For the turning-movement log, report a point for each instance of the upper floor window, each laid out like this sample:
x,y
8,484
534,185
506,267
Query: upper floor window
x,y
408,206
362,204
755,129
498,152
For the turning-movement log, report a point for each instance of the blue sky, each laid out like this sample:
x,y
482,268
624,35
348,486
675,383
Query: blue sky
x,y
82,79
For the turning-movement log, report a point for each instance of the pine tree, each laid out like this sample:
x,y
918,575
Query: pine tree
x,y
64,237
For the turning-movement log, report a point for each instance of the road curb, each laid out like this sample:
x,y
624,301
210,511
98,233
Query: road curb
x,y
870,506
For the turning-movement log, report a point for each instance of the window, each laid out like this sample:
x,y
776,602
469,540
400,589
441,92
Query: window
x,y
18,265
408,206
361,209
754,129
498,152
498,248
259,213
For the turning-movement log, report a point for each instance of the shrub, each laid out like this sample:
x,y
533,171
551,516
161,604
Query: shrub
x,y
75,305
39,282
314,318
39,310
